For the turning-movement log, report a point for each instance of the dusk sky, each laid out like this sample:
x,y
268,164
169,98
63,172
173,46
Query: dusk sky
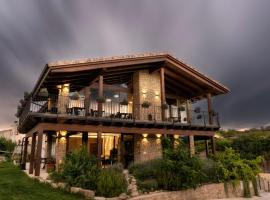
x,y
226,39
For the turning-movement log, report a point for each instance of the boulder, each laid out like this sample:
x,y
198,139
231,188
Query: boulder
x,y
88,194
74,189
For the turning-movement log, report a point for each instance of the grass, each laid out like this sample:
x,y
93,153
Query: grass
x,y
16,185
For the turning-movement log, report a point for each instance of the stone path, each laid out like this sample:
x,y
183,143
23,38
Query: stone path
x,y
263,196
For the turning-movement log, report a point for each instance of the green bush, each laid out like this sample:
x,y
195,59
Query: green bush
x,y
111,183
148,185
222,144
7,145
78,170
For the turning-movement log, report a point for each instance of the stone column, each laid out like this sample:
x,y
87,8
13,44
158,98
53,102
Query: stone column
x,y
162,93
38,154
100,95
210,109
32,156
191,145
60,146
63,98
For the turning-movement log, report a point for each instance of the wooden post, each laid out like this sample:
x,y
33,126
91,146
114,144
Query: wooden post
x,y
162,93
99,150
210,109
191,145
38,154
100,94
86,100
188,112
213,145
32,155
49,145
25,151
67,143
206,148
85,139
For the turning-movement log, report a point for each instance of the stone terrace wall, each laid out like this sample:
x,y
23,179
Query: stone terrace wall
x,y
211,191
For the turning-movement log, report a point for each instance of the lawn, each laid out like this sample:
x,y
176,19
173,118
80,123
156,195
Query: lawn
x,y
16,185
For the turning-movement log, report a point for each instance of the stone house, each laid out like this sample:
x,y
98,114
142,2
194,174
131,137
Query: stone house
x,y
119,108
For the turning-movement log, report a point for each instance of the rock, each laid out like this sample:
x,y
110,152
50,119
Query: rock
x,y
88,194
123,196
100,198
54,185
113,198
74,189
62,185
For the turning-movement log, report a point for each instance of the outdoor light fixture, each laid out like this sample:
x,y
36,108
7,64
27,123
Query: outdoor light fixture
x,y
130,102
61,134
176,136
116,96
158,135
143,91
145,135
108,100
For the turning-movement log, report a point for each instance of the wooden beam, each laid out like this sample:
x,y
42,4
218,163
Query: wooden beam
x,y
25,147
116,129
32,155
100,94
38,154
210,109
213,145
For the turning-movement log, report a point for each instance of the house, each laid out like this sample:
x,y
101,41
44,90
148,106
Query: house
x,y
119,108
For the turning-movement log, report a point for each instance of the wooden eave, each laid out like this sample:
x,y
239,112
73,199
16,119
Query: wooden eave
x,y
179,77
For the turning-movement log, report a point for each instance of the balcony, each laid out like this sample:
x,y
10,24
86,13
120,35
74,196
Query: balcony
x,y
117,112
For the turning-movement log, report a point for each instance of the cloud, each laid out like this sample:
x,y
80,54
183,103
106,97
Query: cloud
x,y
229,43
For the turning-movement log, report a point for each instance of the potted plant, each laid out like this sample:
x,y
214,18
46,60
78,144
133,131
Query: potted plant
x,y
146,104
182,108
75,96
124,102
197,110
43,92
50,164
165,106
101,99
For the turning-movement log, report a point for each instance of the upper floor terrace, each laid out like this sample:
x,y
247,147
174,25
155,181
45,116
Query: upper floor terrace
x,y
143,90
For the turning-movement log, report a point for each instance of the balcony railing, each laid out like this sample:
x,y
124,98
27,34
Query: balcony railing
x,y
114,110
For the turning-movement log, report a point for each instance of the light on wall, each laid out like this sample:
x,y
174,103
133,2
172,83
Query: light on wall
x,y
145,135
156,94
158,135
61,134
176,136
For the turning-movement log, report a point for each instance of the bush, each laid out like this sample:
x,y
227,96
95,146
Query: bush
x,y
78,170
8,146
222,144
111,183
148,185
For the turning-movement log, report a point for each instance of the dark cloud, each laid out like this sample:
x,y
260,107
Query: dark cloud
x,y
225,39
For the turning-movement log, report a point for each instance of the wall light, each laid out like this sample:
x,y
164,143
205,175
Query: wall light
x,y
143,91
61,134
145,135
158,135
176,136
108,100
130,102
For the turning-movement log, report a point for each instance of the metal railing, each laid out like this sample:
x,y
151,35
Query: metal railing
x,y
115,110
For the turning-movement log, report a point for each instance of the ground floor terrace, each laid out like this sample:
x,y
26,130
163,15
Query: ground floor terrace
x,y
51,142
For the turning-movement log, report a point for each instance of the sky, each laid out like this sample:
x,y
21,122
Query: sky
x,y
226,39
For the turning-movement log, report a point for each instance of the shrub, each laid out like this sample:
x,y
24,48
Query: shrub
x,y
222,144
111,183
78,170
148,185
8,146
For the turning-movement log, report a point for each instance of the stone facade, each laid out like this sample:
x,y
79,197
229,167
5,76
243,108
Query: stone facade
x,y
146,87
60,150
147,148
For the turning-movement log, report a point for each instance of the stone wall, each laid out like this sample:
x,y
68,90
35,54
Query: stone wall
x,y
146,148
146,87
60,150
210,191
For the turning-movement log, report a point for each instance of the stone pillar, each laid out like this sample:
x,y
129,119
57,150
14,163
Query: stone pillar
x,y
63,98
60,146
26,142
38,154
162,93
191,145
189,111
32,155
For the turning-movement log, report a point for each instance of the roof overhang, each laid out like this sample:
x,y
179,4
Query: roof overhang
x,y
179,77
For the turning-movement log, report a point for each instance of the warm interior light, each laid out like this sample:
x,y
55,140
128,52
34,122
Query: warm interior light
x,y
145,135
176,136
158,135
66,85
108,100
144,91
116,96
62,133
130,102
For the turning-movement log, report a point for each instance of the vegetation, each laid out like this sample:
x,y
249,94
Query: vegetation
x,y
177,170
80,170
8,146
16,185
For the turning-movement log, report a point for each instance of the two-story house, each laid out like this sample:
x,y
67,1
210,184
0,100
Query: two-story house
x,y
119,108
